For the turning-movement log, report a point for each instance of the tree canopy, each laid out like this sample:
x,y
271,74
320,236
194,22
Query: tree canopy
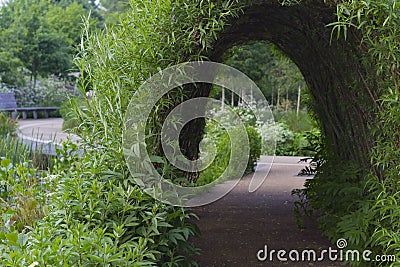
x,y
40,36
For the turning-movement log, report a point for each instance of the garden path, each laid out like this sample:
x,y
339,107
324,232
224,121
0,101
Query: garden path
x,y
43,133
240,224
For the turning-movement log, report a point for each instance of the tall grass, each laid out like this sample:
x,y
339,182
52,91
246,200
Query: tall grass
x,y
7,125
14,149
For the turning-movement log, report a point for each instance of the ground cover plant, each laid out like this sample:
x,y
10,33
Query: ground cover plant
x,y
24,185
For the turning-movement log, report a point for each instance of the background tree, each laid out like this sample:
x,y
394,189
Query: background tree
x,y
39,35
112,9
275,74
10,69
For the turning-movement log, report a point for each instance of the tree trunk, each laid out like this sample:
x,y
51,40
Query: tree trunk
x,y
278,99
223,99
272,97
298,101
287,100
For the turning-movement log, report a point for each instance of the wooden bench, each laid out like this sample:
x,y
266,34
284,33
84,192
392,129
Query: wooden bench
x,y
9,104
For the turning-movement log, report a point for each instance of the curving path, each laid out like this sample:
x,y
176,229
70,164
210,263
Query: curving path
x,y
240,224
44,133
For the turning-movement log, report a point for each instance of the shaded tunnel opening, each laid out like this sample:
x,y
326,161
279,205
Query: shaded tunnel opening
x,y
330,68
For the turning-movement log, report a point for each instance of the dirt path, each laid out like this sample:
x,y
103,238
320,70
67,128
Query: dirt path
x,y
237,226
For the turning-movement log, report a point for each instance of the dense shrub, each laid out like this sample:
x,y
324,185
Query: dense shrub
x,y
220,138
23,196
297,123
216,135
96,218
22,190
288,143
47,92
255,147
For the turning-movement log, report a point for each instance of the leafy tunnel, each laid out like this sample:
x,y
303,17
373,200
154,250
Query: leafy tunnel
x,y
331,66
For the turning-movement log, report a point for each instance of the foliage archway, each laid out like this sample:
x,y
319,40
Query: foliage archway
x,y
348,53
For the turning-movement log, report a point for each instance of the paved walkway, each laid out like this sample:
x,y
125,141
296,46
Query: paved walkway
x,y
46,133
240,224
46,130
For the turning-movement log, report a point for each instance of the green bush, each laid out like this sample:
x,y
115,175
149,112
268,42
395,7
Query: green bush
x,y
223,150
288,143
22,192
67,112
255,147
299,144
220,163
23,196
97,217
49,91
353,204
